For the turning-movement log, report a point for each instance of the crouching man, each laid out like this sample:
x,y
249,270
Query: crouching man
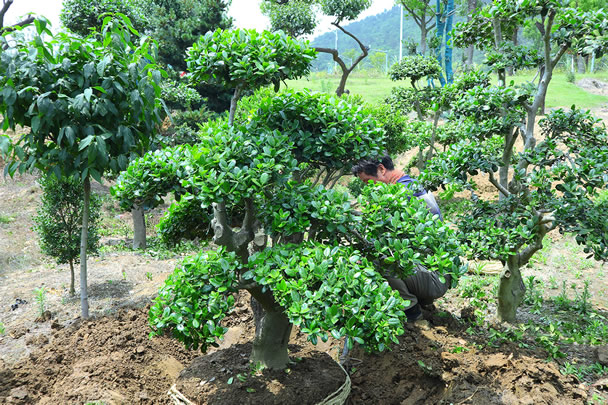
x,y
424,286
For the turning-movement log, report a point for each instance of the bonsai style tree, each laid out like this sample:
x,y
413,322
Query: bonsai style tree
x,y
542,186
91,103
323,270
247,60
298,17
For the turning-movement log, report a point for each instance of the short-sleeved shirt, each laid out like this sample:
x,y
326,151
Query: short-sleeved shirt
x,y
419,192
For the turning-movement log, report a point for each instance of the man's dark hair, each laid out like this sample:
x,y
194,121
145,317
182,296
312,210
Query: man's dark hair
x,y
370,167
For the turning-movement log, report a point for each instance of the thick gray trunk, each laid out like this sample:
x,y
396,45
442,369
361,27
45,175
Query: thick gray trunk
x,y
84,298
139,227
272,330
511,290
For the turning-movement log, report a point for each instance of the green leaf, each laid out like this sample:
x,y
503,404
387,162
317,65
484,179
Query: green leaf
x,y
87,94
85,142
35,124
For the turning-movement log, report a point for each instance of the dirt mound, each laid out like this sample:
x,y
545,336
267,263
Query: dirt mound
x,y
108,359
111,359
593,86
225,377
434,365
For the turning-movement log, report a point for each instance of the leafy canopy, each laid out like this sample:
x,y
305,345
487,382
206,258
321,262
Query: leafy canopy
x,y
248,59
91,103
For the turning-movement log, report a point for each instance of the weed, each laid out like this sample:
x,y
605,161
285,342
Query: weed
x,y
149,275
425,368
597,399
124,275
553,283
459,349
6,219
561,301
2,329
581,303
584,371
534,296
40,297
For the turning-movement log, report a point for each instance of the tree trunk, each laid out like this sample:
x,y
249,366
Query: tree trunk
x,y
233,101
139,227
342,86
471,5
422,37
511,290
84,298
580,63
72,290
272,330
510,70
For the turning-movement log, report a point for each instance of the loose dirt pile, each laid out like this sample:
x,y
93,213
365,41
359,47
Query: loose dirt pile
x,y
111,359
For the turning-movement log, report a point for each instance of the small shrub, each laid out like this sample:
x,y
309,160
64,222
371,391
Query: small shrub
x,y
185,127
185,220
570,76
59,221
179,95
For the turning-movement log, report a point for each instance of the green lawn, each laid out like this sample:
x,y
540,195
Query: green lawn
x,y
376,88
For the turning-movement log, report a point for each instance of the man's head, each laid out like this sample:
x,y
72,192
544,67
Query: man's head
x,y
376,170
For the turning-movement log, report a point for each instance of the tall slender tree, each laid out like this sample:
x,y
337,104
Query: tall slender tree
x,y
422,13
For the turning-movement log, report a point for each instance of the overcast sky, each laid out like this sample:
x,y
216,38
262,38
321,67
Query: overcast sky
x,y
246,13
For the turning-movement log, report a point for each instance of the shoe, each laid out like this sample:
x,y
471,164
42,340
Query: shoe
x,y
413,314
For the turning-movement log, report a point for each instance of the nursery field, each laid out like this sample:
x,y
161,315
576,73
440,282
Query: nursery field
x,y
375,88
556,354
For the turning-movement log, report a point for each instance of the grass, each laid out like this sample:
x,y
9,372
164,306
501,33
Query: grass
x,y
374,88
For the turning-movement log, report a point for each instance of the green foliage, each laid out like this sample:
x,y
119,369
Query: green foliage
x,y
298,17
59,219
195,299
185,219
403,99
82,16
508,55
149,178
335,291
295,17
179,95
91,103
248,59
185,127
395,126
326,131
176,24
415,68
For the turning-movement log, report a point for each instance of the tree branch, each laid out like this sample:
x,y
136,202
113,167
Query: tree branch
x,y
7,4
559,55
223,234
364,48
500,188
247,233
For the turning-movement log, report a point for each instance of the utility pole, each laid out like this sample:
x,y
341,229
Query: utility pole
x,y
401,33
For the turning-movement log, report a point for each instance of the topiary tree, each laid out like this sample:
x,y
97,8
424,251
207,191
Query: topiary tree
x,y
247,60
82,16
551,178
299,17
59,221
323,271
91,104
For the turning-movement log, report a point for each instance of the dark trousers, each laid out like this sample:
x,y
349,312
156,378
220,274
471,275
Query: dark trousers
x,y
423,287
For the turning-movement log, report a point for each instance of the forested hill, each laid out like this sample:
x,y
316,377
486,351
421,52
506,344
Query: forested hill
x,y
380,32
